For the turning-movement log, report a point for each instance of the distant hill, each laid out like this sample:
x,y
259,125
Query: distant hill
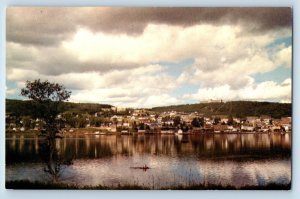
x,y
234,108
20,107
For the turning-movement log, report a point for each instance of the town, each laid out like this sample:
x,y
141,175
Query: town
x,y
122,120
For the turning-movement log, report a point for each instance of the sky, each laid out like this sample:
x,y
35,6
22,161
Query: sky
x,y
147,57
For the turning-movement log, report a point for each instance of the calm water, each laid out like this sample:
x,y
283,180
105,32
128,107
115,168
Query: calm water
x,y
237,160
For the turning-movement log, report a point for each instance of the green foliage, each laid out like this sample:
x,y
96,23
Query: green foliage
x,y
177,120
81,108
234,108
217,120
45,102
20,108
26,121
230,120
142,126
41,91
198,122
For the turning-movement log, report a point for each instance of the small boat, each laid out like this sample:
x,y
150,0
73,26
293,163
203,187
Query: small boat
x,y
179,131
145,167
125,132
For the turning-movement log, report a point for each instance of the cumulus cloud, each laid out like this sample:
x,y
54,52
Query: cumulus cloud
x,y
284,56
265,91
117,55
233,60
10,91
147,100
212,46
55,24
145,86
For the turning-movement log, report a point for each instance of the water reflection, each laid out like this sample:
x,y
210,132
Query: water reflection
x,y
234,159
20,149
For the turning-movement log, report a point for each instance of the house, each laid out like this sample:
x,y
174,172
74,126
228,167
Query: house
x,y
107,109
247,128
252,119
208,121
237,120
159,120
125,124
218,128
208,127
169,122
286,123
120,109
224,120
266,119
212,101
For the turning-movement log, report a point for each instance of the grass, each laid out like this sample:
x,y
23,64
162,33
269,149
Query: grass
x,y
25,184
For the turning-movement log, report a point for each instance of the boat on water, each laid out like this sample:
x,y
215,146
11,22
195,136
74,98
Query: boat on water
x,y
167,131
95,133
145,167
179,131
125,132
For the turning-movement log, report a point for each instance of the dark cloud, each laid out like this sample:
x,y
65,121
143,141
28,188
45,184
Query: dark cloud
x,y
49,26
39,26
133,20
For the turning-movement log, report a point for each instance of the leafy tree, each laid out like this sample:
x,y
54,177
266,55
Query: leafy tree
x,y
134,126
98,122
26,121
69,120
177,120
47,101
196,122
142,126
230,120
81,122
217,120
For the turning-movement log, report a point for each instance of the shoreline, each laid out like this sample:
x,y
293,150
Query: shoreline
x,y
25,184
95,131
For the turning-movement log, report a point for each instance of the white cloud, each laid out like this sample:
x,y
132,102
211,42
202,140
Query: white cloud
x,y
127,98
166,43
10,92
145,86
264,91
120,69
268,90
284,56
234,60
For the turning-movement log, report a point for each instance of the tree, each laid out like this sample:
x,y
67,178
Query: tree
x,y
196,122
47,101
217,120
26,121
230,120
142,126
134,126
177,120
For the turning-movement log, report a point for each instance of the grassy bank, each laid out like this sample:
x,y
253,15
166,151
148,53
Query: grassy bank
x,y
24,184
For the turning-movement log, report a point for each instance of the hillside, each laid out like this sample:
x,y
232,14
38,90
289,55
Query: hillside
x,y
234,108
20,108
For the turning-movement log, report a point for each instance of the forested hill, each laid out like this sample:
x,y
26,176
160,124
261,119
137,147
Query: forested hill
x,y
19,107
234,108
